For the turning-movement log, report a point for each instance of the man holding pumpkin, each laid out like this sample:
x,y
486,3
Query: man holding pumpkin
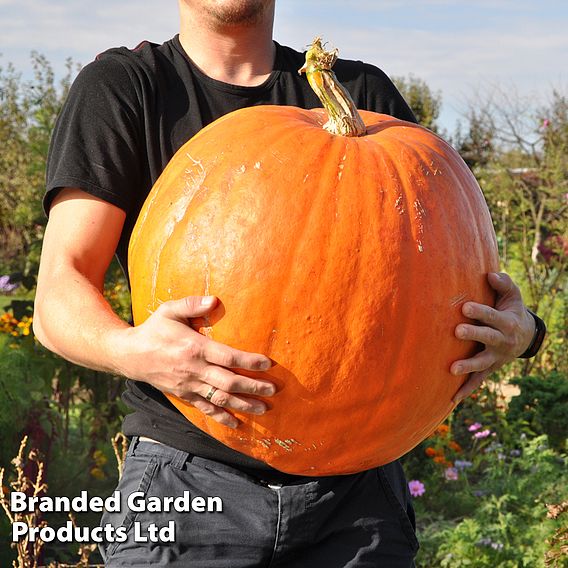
x,y
126,115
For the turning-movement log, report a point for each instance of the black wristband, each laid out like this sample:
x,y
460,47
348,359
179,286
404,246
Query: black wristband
x,y
539,333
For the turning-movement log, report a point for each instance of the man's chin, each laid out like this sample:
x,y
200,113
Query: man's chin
x,y
237,12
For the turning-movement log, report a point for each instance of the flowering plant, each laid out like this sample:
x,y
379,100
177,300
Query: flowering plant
x,y
6,286
484,484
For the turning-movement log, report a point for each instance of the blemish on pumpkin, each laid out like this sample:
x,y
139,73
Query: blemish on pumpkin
x,y
265,442
435,169
195,175
278,157
286,444
456,300
242,169
420,213
399,206
257,166
271,339
306,177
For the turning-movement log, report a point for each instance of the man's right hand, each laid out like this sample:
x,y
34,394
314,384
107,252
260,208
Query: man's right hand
x,y
73,319
167,353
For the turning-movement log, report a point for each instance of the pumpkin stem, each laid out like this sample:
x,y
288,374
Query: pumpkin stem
x,y
343,118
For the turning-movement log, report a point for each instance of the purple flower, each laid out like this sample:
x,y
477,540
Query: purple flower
x,y
515,453
474,427
482,434
462,464
451,474
416,488
545,123
6,285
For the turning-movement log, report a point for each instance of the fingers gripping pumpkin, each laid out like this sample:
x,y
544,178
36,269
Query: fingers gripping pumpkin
x,y
344,253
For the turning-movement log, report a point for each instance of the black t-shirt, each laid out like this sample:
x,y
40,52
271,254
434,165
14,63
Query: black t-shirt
x,y
126,115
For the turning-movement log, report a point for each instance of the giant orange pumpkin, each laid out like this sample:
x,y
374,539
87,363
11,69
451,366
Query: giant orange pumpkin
x,y
346,259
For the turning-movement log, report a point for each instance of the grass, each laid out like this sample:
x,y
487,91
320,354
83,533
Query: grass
x,y
6,300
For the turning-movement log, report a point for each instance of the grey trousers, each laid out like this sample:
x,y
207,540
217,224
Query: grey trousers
x,y
218,516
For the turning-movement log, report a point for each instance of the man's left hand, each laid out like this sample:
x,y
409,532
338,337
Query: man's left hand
x,y
506,331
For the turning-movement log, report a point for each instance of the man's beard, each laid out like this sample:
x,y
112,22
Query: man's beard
x,y
237,12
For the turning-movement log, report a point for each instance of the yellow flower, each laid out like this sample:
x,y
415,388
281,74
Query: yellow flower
x,y
97,473
99,457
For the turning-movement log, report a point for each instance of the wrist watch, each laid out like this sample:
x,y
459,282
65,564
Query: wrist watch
x,y
538,338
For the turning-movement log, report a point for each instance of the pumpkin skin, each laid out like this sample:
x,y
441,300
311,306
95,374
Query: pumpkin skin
x,y
346,260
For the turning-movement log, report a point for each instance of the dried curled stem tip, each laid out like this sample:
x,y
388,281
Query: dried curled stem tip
x,y
342,112
317,56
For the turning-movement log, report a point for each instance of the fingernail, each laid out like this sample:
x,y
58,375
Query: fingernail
x,y
458,370
468,311
263,365
258,409
462,332
207,300
268,390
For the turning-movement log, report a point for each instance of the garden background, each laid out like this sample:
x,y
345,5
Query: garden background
x,y
490,485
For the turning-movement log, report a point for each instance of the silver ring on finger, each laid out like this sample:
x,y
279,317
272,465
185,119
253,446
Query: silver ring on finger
x,y
210,394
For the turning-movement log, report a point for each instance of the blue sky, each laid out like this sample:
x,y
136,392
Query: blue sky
x,y
458,47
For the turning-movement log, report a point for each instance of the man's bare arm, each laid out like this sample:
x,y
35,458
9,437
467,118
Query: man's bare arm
x,y
73,319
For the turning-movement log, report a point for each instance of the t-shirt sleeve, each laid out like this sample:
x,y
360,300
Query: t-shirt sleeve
x,y
382,96
97,140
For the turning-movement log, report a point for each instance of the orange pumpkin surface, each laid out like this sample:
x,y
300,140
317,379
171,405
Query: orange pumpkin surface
x,y
344,259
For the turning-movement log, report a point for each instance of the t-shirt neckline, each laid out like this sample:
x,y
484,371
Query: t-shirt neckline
x,y
228,87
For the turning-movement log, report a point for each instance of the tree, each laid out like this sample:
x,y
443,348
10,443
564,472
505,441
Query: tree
x,y
28,110
519,156
424,102
477,145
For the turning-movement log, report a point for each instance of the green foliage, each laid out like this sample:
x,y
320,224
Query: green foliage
x,y
424,102
509,526
21,391
543,405
485,500
27,115
26,373
477,145
519,158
